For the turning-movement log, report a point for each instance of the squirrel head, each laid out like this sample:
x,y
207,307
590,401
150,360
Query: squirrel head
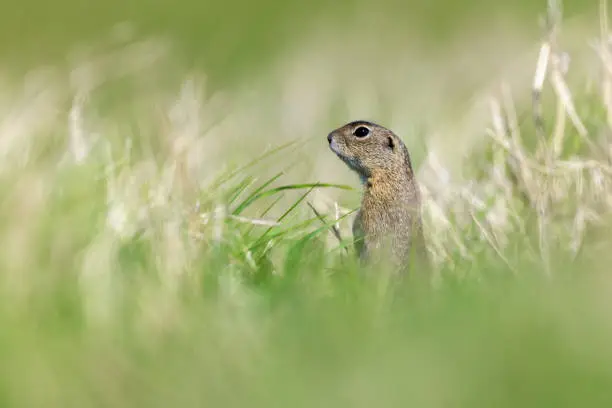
x,y
368,148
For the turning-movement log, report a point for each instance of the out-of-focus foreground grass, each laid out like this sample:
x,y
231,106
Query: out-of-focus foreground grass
x,y
158,247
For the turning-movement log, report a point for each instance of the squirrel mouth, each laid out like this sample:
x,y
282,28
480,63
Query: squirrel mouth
x,y
351,162
334,148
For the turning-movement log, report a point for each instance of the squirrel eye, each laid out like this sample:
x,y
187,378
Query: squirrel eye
x,y
361,131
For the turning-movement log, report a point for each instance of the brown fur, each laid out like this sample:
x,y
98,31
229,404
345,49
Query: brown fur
x,y
388,225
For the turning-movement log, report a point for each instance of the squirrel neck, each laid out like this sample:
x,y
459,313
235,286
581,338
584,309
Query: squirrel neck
x,y
387,185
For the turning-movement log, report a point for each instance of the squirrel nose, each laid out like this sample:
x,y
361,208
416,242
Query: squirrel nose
x,y
329,138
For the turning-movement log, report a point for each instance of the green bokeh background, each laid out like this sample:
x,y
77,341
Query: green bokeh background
x,y
232,37
121,336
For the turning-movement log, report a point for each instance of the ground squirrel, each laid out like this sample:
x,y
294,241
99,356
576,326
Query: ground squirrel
x,y
388,225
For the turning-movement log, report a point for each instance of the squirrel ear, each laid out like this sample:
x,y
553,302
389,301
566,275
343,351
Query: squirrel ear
x,y
390,142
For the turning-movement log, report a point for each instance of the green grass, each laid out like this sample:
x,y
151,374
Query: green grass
x,y
160,248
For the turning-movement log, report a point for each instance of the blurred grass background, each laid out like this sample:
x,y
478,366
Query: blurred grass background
x,y
230,39
157,159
